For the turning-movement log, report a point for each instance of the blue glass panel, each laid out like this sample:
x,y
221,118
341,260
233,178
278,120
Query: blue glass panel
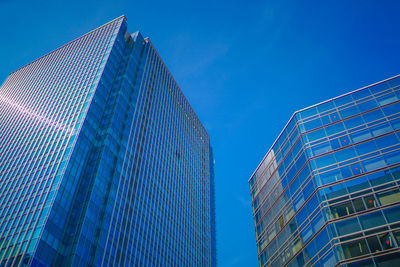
x,y
325,106
360,136
353,122
343,100
391,109
321,148
308,112
325,160
361,94
379,87
357,184
335,128
348,226
373,116
348,112
371,220
310,125
368,105
365,148
373,164
392,214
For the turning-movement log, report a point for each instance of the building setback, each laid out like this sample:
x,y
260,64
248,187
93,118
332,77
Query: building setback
x,y
327,192
102,160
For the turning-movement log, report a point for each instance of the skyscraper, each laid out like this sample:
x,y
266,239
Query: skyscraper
x,y
102,160
327,192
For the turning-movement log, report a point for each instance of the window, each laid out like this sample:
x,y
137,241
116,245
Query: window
x,y
372,220
330,176
325,160
373,164
345,154
368,105
392,214
386,241
312,124
357,184
281,222
321,148
353,122
366,148
335,128
389,197
373,115
360,136
341,210
358,205
347,226
386,99
348,112
355,249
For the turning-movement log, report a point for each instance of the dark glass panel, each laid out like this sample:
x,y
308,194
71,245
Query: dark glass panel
x,y
363,263
355,249
390,260
374,244
387,241
342,209
358,204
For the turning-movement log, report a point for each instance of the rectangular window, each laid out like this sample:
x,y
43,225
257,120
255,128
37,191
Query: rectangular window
x,y
355,249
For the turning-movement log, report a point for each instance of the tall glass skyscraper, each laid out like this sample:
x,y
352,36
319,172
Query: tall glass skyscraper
x,y
327,192
102,160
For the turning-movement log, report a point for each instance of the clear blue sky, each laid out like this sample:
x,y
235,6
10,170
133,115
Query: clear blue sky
x,y
245,67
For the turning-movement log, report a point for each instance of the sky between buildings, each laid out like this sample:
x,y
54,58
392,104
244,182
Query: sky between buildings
x,y
245,67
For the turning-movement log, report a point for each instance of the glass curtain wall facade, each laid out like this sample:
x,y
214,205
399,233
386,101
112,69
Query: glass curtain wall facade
x,y
327,192
102,160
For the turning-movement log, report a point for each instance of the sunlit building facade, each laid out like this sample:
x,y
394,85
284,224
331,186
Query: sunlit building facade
x,y
327,192
102,160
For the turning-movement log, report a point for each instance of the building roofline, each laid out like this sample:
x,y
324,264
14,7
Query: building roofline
x,y
298,111
147,39
74,40
348,93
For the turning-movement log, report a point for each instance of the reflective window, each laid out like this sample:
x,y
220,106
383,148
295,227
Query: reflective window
x,y
355,249
372,220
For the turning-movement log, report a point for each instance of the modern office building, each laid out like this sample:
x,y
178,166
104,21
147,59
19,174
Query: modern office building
x,y
102,160
327,192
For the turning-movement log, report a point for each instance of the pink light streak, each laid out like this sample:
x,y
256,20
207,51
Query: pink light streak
x,y
33,115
